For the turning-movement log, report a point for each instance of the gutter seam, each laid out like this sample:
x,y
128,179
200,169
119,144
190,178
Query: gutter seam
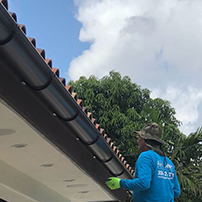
x,y
38,88
10,37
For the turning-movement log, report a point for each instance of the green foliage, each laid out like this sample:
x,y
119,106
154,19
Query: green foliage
x,y
121,107
187,156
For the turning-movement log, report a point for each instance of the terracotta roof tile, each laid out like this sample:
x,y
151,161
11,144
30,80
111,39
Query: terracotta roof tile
x,y
105,136
93,121
13,16
56,71
85,110
69,88
32,40
74,95
97,126
22,27
80,102
108,140
48,62
62,80
89,115
114,148
102,131
41,52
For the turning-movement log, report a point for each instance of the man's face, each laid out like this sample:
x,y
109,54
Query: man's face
x,y
141,144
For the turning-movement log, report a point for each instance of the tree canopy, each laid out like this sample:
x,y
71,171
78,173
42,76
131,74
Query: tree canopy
x,y
120,107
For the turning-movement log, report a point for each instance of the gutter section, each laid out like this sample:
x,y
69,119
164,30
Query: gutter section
x,y
23,59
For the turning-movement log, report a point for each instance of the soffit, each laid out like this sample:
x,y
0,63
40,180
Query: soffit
x,y
31,166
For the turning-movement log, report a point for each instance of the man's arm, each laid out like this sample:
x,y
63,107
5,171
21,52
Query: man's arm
x,y
144,175
176,188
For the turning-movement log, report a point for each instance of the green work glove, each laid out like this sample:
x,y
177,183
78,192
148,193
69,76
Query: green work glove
x,y
113,183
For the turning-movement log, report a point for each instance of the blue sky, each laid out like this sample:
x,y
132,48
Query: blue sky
x,y
157,43
53,25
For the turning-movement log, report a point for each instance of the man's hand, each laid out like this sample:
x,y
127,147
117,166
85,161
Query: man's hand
x,y
113,183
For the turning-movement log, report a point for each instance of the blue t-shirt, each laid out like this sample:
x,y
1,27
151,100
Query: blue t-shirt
x,y
155,179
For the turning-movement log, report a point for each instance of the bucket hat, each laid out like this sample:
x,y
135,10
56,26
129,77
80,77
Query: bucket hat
x,y
151,131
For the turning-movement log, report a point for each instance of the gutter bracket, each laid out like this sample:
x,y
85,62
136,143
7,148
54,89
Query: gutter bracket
x,y
68,119
10,37
38,88
91,143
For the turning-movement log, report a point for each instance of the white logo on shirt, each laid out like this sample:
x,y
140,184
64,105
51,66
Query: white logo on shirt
x,y
165,172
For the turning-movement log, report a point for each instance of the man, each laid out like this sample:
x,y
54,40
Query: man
x,y
155,176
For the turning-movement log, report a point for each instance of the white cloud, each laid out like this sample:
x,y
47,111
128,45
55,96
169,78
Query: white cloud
x,y
157,43
185,100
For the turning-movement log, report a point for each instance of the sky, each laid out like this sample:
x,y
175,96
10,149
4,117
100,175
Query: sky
x,y
157,43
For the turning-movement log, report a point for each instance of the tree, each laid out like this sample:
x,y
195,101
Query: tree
x,y
187,157
121,107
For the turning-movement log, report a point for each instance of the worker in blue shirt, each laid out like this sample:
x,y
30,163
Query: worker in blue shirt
x,y
155,176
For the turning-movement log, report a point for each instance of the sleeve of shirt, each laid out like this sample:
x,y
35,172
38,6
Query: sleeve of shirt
x,y
176,188
144,175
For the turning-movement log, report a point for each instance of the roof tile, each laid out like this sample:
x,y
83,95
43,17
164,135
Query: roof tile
x,y
22,27
80,102
32,40
56,71
69,88
74,95
48,62
13,16
41,52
